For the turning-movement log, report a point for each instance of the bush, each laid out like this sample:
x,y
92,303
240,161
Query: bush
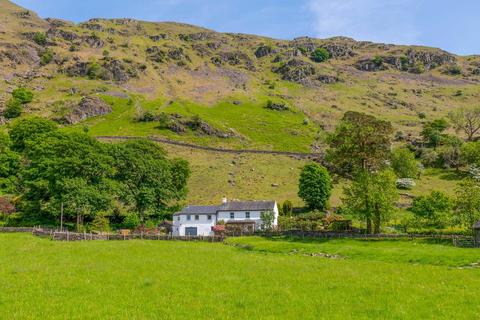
x,y
94,71
13,109
23,95
433,210
429,157
131,221
378,61
287,208
405,183
320,55
404,163
40,38
100,223
46,57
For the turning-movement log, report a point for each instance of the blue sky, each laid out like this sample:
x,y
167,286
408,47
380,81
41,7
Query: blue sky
x,y
450,25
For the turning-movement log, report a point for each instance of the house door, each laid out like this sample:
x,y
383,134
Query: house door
x,y
191,231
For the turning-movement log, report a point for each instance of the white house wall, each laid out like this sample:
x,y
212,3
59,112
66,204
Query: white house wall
x,y
203,225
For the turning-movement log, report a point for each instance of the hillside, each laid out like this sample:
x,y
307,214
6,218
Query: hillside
x,y
196,85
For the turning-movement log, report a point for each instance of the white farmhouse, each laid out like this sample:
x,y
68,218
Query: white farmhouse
x,y
199,220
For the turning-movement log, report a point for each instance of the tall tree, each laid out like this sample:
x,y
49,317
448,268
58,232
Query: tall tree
x,y
467,203
371,197
63,168
360,142
315,186
149,180
466,120
25,130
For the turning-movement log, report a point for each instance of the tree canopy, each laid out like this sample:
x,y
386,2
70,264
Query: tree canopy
x,y
360,142
315,186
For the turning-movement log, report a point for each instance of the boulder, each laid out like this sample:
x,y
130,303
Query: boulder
x,y
296,70
264,51
87,108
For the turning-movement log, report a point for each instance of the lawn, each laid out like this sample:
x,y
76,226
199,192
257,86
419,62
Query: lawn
x,y
42,279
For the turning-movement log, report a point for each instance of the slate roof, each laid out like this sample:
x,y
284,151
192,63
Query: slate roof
x,y
477,226
247,206
198,210
229,206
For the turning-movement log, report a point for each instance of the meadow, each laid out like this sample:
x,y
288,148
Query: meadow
x,y
262,279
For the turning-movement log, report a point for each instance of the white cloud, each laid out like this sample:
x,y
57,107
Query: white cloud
x,y
389,21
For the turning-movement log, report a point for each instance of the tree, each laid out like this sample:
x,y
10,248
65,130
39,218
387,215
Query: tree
x,y
467,204
360,142
466,120
13,109
23,95
29,129
268,218
83,199
10,164
404,163
320,55
371,197
287,208
433,132
148,180
70,170
315,186
433,209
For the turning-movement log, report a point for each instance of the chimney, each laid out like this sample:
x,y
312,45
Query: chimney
x,y
224,200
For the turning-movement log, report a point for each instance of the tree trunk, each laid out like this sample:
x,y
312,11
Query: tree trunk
x,y
376,219
369,225
376,223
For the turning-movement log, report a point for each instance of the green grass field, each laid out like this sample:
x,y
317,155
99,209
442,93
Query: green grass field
x,y
42,279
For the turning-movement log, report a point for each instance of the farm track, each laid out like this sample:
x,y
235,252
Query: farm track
x,y
212,149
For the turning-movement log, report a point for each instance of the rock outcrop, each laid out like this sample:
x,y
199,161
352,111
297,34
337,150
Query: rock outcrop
x,y
87,108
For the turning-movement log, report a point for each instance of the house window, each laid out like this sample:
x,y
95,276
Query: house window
x,y
197,217
178,218
189,217
247,215
232,215
209,217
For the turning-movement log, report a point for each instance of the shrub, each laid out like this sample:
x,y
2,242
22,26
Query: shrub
x,y
434,209
429,157
320,55
418,68
40,38
46,57
131,221
405,183
404,163
94,71
13,109
23,95
100,223
378,61
287,208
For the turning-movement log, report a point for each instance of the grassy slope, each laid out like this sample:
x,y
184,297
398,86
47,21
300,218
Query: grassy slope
x,y
207,90
178,280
